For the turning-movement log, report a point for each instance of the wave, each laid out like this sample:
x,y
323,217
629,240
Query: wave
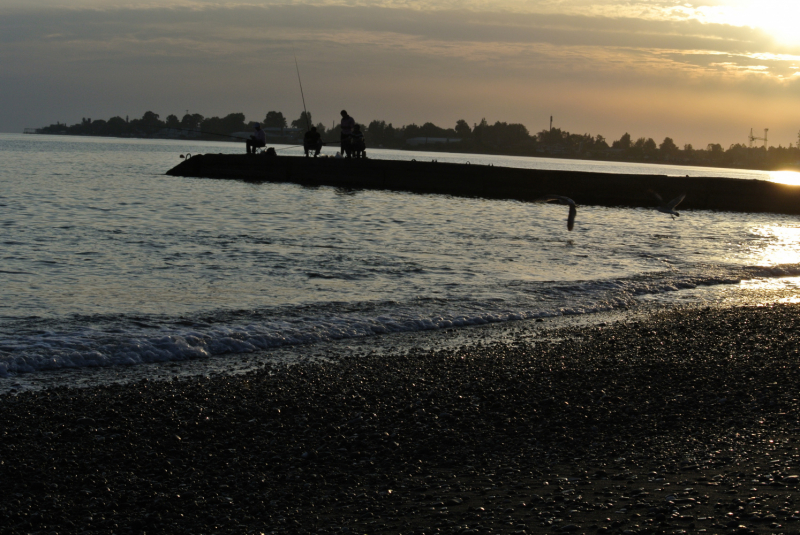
x,y
35,344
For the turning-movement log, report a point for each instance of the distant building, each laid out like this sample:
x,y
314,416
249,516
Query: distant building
x,y
415,141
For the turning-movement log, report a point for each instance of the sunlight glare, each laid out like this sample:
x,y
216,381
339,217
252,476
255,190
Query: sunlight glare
x,y
780,290
791,178
782,246
776,17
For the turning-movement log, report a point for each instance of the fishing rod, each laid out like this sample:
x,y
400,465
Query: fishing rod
x,y
189,154
294,146
240,138
305,111
210,133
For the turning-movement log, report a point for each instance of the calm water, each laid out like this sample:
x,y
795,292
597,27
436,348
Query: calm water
x,y
105,261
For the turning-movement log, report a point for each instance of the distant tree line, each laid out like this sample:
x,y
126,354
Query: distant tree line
x,y
481,138
190,126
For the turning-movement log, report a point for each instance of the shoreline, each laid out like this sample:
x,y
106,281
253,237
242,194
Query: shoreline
x,y
679,422
306,354
434,148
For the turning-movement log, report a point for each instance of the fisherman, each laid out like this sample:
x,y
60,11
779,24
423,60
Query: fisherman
x,y
257,140
347,125
312,141
357,143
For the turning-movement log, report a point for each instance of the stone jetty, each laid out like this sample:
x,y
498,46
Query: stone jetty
x,y
601,189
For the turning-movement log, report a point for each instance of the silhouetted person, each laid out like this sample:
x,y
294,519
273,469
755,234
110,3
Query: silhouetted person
x,y
257,140
346,125
357,143
312,141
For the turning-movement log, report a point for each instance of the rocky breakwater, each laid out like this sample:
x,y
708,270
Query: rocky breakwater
x,y
686,422
601,189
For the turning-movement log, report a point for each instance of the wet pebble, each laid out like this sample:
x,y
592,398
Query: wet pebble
x,y
679,422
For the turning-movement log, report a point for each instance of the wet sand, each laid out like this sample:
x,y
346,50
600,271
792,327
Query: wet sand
x,y
681,422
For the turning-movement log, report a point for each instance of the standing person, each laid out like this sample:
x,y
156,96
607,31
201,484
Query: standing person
x,y
258,139
346,125
312,141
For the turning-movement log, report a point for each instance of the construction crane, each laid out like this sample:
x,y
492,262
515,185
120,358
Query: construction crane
x,y
752,138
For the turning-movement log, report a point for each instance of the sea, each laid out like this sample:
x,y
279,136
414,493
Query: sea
x,y
111,271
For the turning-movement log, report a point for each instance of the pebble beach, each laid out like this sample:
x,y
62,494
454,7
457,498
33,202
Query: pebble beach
x,y
677,422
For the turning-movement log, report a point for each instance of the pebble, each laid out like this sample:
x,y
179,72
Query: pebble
x,y
625,422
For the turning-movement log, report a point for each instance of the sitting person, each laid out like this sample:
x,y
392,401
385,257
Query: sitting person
x,y
357,143
312,141
257,140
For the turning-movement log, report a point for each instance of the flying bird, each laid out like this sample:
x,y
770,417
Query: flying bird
x,y
669,207
562,200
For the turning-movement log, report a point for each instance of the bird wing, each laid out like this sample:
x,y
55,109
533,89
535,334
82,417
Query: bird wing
x,y
557,198
657,196
571,217
563,200
676,201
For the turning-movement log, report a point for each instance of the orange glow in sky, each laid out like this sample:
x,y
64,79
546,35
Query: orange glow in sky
x,y
698,72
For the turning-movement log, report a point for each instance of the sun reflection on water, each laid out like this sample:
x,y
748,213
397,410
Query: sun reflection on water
x,y
792,178
762,291
782,245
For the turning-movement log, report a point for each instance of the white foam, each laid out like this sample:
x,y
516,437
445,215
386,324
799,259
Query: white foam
x,y
88,348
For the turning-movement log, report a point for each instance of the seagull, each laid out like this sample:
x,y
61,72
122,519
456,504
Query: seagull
x,y
562,200
669,207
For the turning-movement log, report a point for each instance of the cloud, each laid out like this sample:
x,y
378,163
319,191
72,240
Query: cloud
x,y
220,31
411,61
453,25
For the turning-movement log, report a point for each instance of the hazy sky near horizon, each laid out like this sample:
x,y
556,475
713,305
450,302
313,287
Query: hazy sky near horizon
x,y
700,72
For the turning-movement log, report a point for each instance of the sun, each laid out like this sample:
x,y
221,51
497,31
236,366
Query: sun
x,y
778,18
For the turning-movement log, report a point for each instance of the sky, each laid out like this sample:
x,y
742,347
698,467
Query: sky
x,y
698,72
